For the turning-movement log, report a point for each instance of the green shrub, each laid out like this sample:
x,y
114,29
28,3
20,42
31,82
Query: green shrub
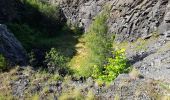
x,y
3,62
56,61
115,66
98,44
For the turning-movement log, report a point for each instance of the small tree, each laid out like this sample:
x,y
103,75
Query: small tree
x,y
56,61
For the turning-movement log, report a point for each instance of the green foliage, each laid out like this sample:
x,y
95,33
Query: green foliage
x,y
7,97
41,16
33,38
56,61
98,43
3,62
115,66
47,9
55,58
25,34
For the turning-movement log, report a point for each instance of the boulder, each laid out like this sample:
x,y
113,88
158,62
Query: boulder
x,y
11,48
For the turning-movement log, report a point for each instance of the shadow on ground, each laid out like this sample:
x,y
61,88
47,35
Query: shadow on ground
x,y
39,32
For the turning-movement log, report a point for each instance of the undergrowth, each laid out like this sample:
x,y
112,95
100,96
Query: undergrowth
x,y
3,63
115,65
57,62
101,60
97,45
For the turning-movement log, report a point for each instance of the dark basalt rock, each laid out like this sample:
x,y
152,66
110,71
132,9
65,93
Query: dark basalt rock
x,y
11,48
129,19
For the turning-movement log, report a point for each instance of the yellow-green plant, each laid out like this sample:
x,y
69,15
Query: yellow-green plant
x,y
90,95
72,95
115,66
98,44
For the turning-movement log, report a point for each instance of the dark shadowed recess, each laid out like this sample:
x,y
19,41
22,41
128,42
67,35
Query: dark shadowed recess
x,y
46,32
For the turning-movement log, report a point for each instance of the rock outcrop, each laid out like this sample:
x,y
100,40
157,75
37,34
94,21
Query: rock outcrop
x,y
82,12
129,19
11,48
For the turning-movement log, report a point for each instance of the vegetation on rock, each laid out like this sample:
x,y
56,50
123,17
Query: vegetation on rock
x,y
66,64
57,62
3,63
114,66
97,45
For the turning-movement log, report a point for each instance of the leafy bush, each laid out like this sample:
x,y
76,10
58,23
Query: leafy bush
x,y
56,61
115,66
3,62
97,43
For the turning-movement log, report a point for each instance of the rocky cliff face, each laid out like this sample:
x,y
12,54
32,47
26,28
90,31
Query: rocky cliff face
x,y
137,18
10,47
82,12
129,19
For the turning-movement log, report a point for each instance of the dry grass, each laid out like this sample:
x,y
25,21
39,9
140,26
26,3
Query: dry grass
x,y
136,46
166,47
5,87
72,95
134,74
34,78
80,55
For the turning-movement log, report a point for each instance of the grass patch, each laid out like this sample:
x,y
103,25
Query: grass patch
x,y
72,95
